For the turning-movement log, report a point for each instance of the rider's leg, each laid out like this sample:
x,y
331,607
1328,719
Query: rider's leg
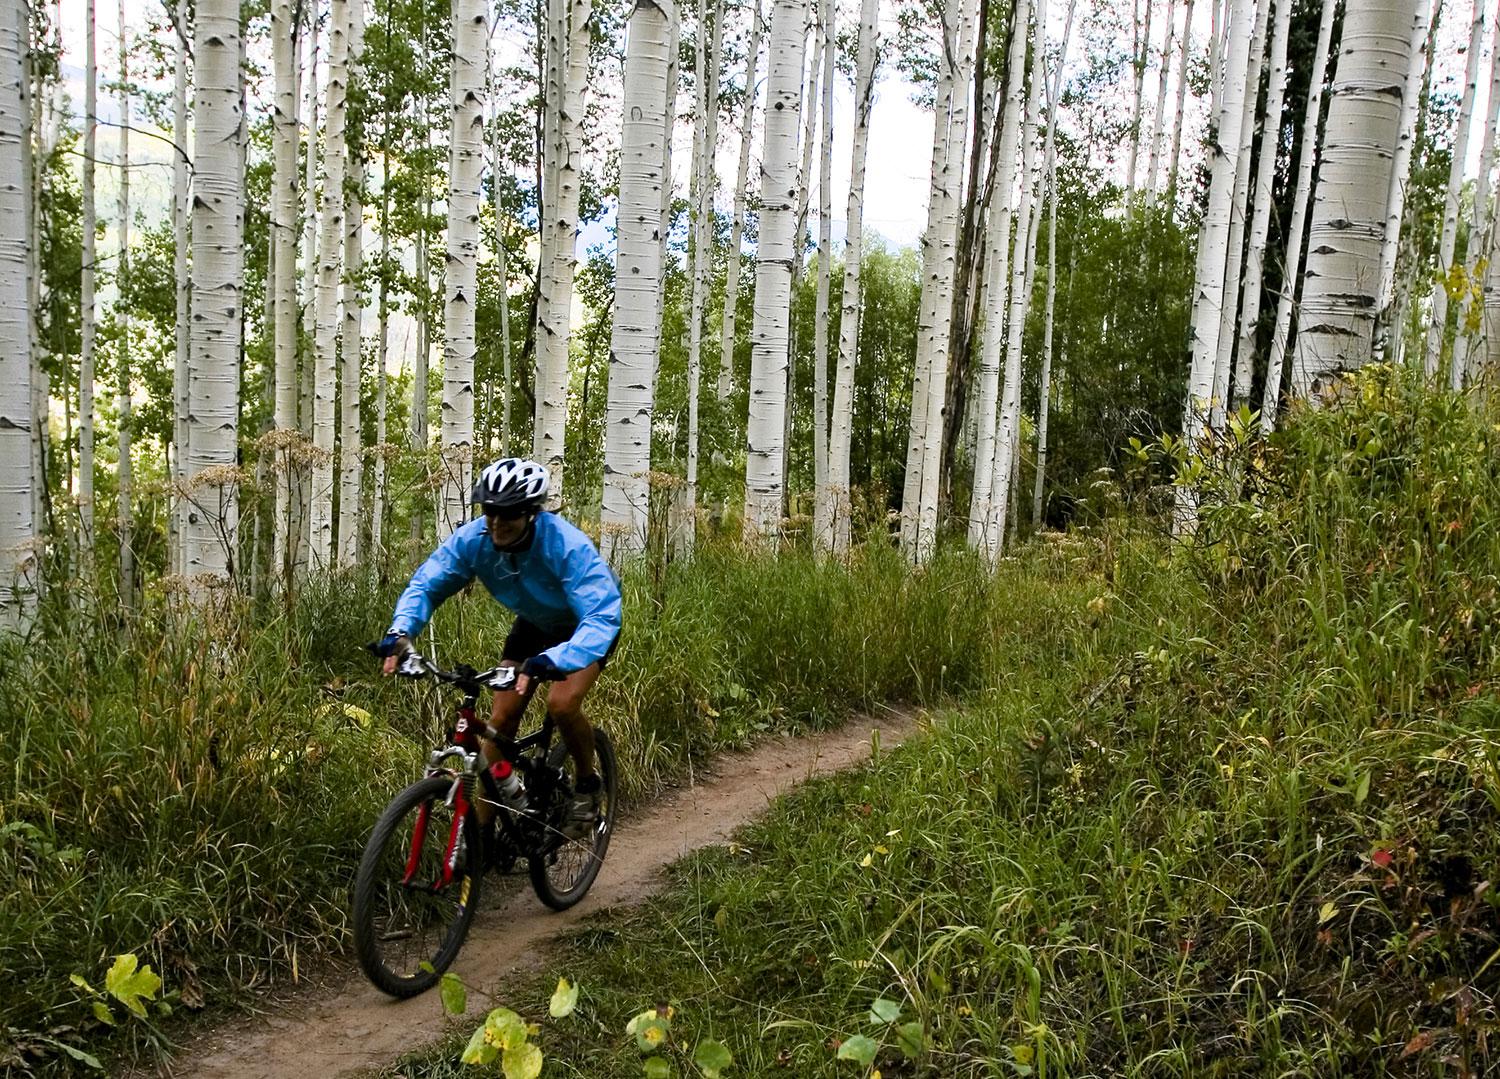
x,y
565,707
506,708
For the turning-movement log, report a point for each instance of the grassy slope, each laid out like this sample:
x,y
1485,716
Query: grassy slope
x,y
1237,818
204,805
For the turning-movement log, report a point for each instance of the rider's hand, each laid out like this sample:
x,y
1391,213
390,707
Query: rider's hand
x,y
539,668
392,646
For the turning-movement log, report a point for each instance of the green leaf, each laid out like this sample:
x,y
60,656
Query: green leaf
x,y
479,1050
426,967
1363,790
713,1057
651,1034
505,1029
884,1011
522,1062
130,985
859,1049
564,1000
102,1013
650,1013
912,1039
86,1059
78,980
455,995
657,1068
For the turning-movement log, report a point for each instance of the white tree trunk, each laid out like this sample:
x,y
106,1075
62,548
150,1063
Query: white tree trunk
x,y
555,334
183,285
709,55
382,351
124,474
1400,175
1492,301
1213,241
330,251
809,127
1470,322
1008,433
300,482
764,461
218,263
1291,274
1437,329
1158,121
998,276
17,527
636,333
466,169
1140,61
822,516
837,490
351,343
284,207
1229,323
1182,80
933,319
1260,224
86,293
502,271
741,191
1336,324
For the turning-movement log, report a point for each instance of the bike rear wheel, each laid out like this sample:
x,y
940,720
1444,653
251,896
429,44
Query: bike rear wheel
x,y
411,910
563,873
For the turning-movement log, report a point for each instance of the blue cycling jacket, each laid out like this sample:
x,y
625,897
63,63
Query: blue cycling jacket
x,y
558,583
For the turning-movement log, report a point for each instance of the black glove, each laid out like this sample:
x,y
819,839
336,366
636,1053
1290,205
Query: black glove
x,y
392,644
542,668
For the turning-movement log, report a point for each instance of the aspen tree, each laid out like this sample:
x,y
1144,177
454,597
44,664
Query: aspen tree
x,y
330,265
737,222
465,172
1437,329
1336,322
124,474
284,46
297,526
938,255
998,276
1470,323
1139,61
635,335
1182,81
836,490
1158,121
709,54
822,517
17,526
1213,241
502,269
218,266
1229,323
1400,175
86,290
1049,171
554,336
1291,271
182,284
1008,432
764,462
1260,224
351,344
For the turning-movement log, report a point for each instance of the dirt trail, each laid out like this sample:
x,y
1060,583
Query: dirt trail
x,y
353,1027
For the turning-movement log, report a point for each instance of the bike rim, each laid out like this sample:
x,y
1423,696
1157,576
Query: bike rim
x,y
575,861
422,888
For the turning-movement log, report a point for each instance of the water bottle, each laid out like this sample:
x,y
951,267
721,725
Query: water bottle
x,y
509,789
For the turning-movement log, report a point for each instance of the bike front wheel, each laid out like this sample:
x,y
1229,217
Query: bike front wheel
x,y
417,889
563,873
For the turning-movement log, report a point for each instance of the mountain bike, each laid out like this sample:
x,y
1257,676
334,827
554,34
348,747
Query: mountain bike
x,y
419,882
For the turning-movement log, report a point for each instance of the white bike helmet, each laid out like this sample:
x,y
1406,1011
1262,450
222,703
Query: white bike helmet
x,y
511,483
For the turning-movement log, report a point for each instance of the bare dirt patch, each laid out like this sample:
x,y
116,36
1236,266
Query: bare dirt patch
x,y
346,1026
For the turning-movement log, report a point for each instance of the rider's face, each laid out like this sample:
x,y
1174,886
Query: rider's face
x,y
505,529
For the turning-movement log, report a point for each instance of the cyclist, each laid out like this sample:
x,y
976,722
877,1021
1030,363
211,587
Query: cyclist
x,y
566,601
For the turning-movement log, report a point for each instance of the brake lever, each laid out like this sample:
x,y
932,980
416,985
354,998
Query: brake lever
x,y
412,665
503,678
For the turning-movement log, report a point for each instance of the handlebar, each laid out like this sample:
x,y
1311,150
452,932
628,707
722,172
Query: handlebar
x,y
414,665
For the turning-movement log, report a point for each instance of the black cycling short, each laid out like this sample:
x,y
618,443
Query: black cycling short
x,y
527,639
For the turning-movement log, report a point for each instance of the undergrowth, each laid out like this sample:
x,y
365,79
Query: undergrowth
x,y
200,798
1224,809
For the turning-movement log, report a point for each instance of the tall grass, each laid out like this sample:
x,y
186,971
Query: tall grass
x,y
1229,810
201,798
